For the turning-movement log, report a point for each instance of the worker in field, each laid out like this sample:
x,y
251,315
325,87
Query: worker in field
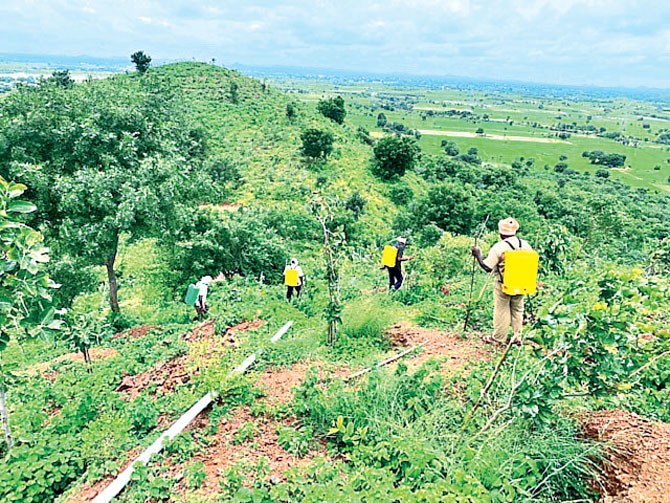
x,y
294,279
512,284
392,259
200,305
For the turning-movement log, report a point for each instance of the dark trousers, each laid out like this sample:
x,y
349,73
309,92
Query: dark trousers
x,y
201,310
289,291
395,277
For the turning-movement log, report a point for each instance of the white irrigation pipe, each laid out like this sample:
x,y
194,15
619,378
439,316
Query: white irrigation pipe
x,y
118,484
385,362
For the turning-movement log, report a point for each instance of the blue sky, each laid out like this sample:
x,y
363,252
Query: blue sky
x,y
591,42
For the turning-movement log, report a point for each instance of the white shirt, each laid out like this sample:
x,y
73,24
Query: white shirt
x,y
202,293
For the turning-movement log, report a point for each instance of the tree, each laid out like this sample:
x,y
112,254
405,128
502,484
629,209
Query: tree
x,y
61,78
333,108
141,61
291,110
355,203
334,240
103,164
25,298
450,148
316,144
449,206
381,120
393,156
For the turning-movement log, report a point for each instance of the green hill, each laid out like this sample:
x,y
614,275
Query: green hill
x,y
147,183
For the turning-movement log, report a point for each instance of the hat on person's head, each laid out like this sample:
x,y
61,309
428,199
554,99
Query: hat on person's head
x,y
402,240
207,280
294,261
508,227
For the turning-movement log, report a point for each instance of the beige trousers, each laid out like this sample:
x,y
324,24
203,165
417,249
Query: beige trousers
x,y
506,309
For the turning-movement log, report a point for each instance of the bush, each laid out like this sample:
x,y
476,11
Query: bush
x,y
447,205
333,108
316,144
393,156
401,195
231,243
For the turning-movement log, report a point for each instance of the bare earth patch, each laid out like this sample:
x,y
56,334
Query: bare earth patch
x,y
225,451
457,351
137,332
637,463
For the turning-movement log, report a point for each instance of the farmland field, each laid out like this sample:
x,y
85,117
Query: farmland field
x,y
515,126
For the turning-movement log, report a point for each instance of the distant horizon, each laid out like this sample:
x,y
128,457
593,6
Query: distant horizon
x,y
124,62
594,43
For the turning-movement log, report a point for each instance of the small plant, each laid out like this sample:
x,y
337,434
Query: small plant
x,y
295,440
195,475
246,432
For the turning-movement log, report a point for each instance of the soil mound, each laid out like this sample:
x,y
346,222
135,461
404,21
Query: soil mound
x,y
637,460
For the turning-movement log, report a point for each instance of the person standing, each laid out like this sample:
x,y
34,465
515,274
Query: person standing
x,y
294,279
395,272
507,309
201,306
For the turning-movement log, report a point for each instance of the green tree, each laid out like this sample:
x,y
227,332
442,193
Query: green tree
x,y
393,156
333,108
25,287
104,159
316,144
447,205
61,78
334,240
355,203
141,61
381,120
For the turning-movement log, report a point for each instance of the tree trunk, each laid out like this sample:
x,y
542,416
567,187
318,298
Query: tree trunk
x,y
111,275
5,417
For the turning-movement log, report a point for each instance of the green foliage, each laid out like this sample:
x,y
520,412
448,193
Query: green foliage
x,y
355,203
61,78
610,160
38,472
141,61
394,156
297,441
447,205
333,108
316,144
105,163
25,288
215,242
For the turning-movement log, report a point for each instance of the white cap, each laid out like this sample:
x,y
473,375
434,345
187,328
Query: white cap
x,y
402,240
206,279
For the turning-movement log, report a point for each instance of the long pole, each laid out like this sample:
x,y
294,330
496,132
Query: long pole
x,y
472,275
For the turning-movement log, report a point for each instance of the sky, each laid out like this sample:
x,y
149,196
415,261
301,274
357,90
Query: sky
x,y
584,42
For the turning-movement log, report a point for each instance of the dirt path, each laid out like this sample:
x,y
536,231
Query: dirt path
x,y
637,463
467,134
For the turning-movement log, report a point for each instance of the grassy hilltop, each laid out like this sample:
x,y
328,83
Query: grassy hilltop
x,y
152,181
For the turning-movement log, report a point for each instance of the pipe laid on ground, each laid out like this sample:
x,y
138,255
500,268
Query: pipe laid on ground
x,y
118,484
385,362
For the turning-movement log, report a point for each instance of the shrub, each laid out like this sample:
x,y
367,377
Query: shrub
x,y
333,108
316,144
393,156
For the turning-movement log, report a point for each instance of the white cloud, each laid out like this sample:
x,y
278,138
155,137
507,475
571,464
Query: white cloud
x,y
574,40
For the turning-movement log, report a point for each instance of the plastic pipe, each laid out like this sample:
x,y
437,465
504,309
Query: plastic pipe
x,y
120,482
